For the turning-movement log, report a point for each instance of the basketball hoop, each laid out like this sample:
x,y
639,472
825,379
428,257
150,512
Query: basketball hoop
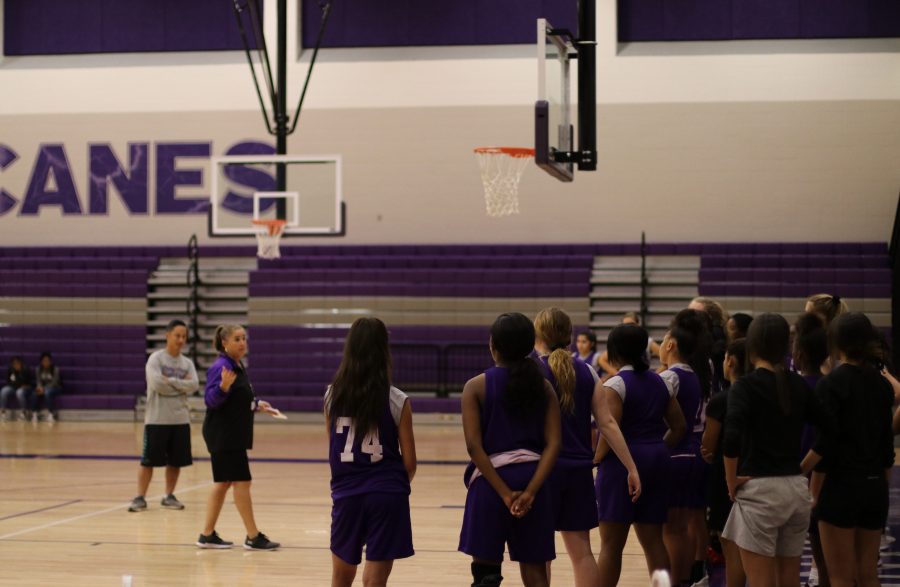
x,y
268,237
501,170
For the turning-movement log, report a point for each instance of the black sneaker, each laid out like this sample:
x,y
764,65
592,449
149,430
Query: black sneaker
x,y
261,542
138,504
213,541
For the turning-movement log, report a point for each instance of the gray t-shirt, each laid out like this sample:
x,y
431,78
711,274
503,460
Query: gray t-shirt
x,y
169,381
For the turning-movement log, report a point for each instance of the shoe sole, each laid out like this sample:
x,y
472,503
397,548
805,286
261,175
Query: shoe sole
x,y
248,547
209,546
172,507
136,510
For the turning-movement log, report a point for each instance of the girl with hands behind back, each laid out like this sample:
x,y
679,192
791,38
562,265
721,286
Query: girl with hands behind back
x,y
512,429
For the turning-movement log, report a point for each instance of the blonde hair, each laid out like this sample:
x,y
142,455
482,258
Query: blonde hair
x,y
554,327
714,309
223,332
633,316
827,306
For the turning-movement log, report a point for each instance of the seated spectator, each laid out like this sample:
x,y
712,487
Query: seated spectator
x,y
47,387
18,381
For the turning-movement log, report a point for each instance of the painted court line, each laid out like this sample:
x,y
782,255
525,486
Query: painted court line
x,y
92,514
49,507
288,460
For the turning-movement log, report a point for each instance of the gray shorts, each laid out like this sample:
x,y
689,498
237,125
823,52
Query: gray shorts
x,y
771,516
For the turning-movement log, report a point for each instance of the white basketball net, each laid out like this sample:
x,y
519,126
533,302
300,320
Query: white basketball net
x,y
267,238
501,170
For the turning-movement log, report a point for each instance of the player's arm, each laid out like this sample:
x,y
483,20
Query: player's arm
x,y
407,440
607,367
472,398
552,443
612,435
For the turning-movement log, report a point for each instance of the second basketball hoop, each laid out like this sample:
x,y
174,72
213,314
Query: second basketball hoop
x,y
501,171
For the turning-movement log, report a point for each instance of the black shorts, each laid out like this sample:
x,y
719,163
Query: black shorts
x,y
854,502
231,465
167,445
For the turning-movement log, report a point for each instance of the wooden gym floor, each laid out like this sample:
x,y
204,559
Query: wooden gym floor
x,y
64,490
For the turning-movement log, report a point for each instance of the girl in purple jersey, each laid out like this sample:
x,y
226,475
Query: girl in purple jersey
x,y
572,482
651,421
685,349
511,424
372,454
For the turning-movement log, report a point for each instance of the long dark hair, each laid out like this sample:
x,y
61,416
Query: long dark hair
x,y
512,337
854,335
768,339
362,384
810,343
691,332
627,345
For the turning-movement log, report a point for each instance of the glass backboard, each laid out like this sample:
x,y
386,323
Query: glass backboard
x,y
552,116
243,188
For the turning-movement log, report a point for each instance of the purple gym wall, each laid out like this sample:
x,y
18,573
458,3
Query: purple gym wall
x,y
423,22
56,27
714,20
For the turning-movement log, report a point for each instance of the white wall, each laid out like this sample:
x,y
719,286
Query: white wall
x,y
698,141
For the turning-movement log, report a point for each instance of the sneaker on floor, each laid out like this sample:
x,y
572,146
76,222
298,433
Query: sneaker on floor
x,y
4,417
886,541
23,416
138,504
704,582
34,417
171,502
213,541
261,542
51,418
813,579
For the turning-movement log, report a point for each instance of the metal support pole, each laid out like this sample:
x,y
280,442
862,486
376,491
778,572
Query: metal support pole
x,y
587,85
281,119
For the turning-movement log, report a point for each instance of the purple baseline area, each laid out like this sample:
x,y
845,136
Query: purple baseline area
x,y
37,511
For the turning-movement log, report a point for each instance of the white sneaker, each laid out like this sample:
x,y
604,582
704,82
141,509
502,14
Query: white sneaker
x,y
813,579
704,582
886,541
50,418
34,418
4,417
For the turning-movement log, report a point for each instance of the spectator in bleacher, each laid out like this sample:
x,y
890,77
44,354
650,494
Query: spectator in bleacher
x,y
47,387
737,326
19,381
167,419
827,306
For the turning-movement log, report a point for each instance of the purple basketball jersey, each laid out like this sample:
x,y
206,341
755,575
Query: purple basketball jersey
x,y
644,408
501,430
576,425
371,464
689,396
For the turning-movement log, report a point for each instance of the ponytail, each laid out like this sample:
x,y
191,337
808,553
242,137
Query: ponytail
x,y
783,386
560,362
525,389
768,339
554,327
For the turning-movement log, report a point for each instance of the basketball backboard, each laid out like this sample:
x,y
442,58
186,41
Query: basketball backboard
x,y
552,113
243,188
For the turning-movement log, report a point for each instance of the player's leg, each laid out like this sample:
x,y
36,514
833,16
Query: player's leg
x,y
534,574
578,545
651,538
342,573
376,573
613,537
